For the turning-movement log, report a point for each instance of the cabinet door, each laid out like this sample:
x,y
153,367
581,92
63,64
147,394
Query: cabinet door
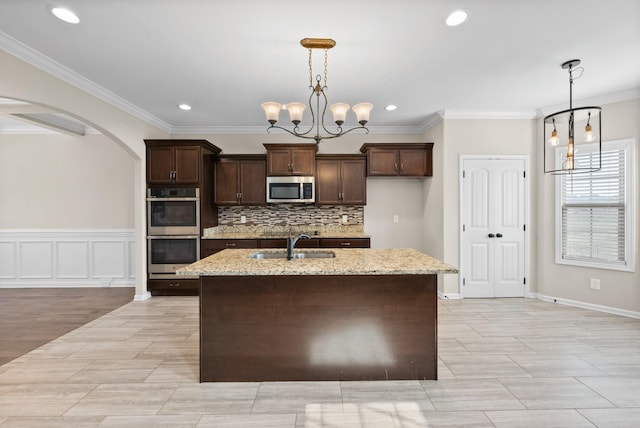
x,y
278,162
187,165
227,186
413,162
303,162
383,162
253,182
328,187
354,182
159,165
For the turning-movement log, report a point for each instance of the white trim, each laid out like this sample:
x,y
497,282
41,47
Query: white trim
x,y
449,296
479,114
53,258
616,97
627,144
584,305
527,204
141,297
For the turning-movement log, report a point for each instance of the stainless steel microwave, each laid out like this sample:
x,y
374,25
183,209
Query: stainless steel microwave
x,y
291,189
173,211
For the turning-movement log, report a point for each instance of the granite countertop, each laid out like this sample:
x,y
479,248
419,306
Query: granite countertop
x,y
352,261
261,232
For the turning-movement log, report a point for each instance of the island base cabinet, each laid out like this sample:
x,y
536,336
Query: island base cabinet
x,y
306,327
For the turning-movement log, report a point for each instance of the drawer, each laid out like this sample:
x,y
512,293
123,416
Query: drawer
x,y
282,243
212,246
173,286
345,243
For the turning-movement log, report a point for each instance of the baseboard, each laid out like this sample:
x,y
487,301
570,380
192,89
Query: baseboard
x,y
140,297
584,305
448,296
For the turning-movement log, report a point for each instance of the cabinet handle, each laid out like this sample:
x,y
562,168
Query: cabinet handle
x,y
174,285
345,244
498,235
230,244
491,235
395,166
401,167
291,167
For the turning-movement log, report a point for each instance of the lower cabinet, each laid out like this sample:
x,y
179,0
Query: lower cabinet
x,y
174,286
345,243
282,243
212,246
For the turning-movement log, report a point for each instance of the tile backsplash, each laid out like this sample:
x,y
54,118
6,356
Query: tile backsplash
x,y
291,215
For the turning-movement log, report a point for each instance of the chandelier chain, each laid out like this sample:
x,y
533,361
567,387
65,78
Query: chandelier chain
x,y
326,61
310,68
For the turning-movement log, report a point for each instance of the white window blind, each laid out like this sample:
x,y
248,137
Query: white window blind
x,y
594,210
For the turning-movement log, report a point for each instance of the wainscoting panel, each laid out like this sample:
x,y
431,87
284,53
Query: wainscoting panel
x,y
67,258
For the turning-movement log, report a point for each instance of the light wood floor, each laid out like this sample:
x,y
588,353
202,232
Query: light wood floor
x,y
503,362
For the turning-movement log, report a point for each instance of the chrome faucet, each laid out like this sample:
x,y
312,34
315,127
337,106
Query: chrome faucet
x,y
291,243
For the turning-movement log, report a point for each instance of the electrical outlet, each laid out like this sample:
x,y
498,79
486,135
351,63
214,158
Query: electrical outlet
x,y
243,219
345,218
595,284
396,218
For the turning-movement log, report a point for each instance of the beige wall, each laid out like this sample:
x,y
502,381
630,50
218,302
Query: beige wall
x,y
618,289
64,182
474,137
25,82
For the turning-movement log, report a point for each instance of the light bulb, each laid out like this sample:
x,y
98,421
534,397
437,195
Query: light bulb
x,y
554,140
588,134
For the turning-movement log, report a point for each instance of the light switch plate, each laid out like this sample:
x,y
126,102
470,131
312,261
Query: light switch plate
x,y
243,219
345,218
396,218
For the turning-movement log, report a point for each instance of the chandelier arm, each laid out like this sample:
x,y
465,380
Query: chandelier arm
x,y
294,133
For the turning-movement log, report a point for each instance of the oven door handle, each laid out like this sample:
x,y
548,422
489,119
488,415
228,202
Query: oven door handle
x,y
172,199
174,237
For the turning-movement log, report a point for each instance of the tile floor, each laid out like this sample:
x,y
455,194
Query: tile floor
x,y
503,363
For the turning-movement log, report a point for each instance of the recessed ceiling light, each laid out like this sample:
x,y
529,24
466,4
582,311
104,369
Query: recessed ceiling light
x,y
64,14
391,107
184,106
457,17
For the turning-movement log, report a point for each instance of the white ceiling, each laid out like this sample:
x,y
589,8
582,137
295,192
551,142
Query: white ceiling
x,y
226,57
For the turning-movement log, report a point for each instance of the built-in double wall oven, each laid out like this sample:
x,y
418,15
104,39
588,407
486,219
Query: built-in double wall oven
x,y
173,229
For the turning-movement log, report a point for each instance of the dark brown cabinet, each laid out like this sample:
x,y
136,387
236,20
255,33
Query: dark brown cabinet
x,y
406,160
174,165
175,286
282,243
212,246
345,243
341,180
240,181
291,159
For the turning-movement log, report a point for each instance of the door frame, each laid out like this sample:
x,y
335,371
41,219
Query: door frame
x,y
527,208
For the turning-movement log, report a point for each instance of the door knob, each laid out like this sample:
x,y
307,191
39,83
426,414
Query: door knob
x,y
491,235
498,235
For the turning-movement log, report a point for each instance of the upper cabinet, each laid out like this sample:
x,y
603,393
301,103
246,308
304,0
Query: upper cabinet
x,y
177,161
291,159
240,180
392,160
341,180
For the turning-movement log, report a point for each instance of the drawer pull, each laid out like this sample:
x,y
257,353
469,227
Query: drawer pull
x,y
230,244
345,244
174,285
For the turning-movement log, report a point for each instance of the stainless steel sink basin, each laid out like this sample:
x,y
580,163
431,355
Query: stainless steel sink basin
x,y
296,255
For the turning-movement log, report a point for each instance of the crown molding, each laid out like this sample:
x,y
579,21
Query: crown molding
x,y
616,97
46,64
479,114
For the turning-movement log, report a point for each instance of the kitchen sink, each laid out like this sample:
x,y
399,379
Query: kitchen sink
x,y
296,255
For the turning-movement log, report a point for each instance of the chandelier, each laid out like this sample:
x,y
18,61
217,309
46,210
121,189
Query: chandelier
x,y
566,122
296,109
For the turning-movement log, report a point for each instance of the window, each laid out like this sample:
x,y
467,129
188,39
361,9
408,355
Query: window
x,y
595,210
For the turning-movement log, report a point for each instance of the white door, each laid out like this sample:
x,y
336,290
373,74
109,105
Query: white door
x,y
493,228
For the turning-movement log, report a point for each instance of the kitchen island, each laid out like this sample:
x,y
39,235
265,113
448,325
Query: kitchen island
x,y
361,314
